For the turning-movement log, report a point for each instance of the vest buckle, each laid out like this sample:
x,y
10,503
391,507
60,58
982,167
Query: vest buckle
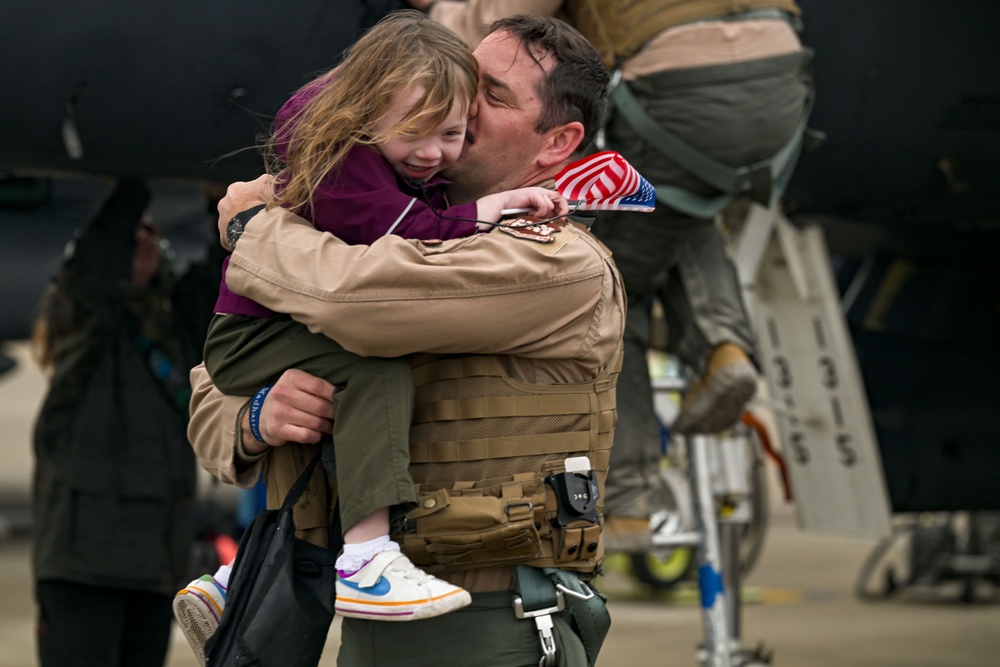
x,y
543,621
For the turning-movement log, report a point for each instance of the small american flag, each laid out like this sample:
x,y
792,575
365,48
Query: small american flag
x,y
605,181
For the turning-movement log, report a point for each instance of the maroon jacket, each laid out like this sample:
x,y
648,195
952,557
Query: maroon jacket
x,y
365,200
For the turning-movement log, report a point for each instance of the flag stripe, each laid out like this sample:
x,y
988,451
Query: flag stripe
x,y
606,181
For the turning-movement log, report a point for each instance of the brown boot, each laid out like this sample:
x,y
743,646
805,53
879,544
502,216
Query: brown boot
x,y
627,534
716,402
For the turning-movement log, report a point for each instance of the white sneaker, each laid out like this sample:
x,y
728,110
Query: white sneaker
x,y
198,610
391,588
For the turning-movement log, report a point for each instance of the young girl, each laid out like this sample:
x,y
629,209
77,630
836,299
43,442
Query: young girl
x,y
361,147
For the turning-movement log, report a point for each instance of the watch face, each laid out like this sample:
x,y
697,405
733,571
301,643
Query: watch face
x,y
236,224
233,231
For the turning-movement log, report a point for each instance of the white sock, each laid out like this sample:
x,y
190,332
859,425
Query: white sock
x,y
222,575
355,556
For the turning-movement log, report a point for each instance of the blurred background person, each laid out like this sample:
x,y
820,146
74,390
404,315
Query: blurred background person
x,y
114,479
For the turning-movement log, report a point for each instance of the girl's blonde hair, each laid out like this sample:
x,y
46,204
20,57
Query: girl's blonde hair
x,y
405,49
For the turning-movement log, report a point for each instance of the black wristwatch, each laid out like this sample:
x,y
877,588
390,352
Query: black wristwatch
x,y
236,224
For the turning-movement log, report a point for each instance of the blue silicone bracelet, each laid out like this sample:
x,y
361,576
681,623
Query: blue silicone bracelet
x,y
255,406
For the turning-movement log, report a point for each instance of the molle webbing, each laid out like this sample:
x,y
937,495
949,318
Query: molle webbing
x,y
482,445
618,29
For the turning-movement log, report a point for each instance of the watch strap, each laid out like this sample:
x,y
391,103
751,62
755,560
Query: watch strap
x,y
236,224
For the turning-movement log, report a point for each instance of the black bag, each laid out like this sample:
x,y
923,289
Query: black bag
x,y
279,605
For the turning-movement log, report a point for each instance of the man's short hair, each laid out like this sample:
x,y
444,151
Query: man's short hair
x,y
576,89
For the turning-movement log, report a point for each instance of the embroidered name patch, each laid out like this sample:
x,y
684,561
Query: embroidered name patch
x,y
531,230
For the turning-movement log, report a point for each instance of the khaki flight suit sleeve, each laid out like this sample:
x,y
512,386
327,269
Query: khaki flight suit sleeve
x,y
215,433
486,294
471,18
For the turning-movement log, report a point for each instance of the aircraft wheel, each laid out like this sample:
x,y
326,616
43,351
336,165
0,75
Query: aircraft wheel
x,y
877,580
663,572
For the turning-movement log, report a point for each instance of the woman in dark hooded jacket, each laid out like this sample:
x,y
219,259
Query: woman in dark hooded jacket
x,y
114,480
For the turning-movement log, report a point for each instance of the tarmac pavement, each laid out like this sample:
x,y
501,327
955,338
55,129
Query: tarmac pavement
x,y
800,605
799,599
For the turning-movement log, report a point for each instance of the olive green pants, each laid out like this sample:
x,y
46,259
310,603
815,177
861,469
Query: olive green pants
x,y
738,114
484,634
373,402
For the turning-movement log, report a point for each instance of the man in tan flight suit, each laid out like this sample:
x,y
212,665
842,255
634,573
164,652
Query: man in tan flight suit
x,y
542,311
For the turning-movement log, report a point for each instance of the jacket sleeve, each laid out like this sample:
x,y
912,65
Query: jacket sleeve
x,y
101,259
486,294
215,433
365,202
470,18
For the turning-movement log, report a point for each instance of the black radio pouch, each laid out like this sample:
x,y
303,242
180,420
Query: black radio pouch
x,y
577,494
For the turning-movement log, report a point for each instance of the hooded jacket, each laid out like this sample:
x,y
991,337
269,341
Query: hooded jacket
x,y
114,479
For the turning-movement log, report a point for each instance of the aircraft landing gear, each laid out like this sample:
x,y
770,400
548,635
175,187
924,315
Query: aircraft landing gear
x,y
672,560
932,552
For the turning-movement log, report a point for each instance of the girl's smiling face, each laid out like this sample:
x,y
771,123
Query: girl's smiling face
x,y
417,156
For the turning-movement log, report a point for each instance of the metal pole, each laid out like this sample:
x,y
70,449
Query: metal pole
x,y
729,540
713,598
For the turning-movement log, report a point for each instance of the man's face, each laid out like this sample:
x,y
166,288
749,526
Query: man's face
x,y
501,143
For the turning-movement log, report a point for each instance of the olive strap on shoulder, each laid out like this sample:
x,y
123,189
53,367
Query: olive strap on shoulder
x,y
768,177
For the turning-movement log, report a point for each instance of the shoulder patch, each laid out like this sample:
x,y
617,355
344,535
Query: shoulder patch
x,y
532,229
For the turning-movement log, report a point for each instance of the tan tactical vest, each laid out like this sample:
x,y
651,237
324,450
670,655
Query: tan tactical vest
x,y
618,29
481,447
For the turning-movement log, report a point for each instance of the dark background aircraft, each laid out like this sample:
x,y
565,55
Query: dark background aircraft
x,y
176,92
907,189
907,185
160,89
